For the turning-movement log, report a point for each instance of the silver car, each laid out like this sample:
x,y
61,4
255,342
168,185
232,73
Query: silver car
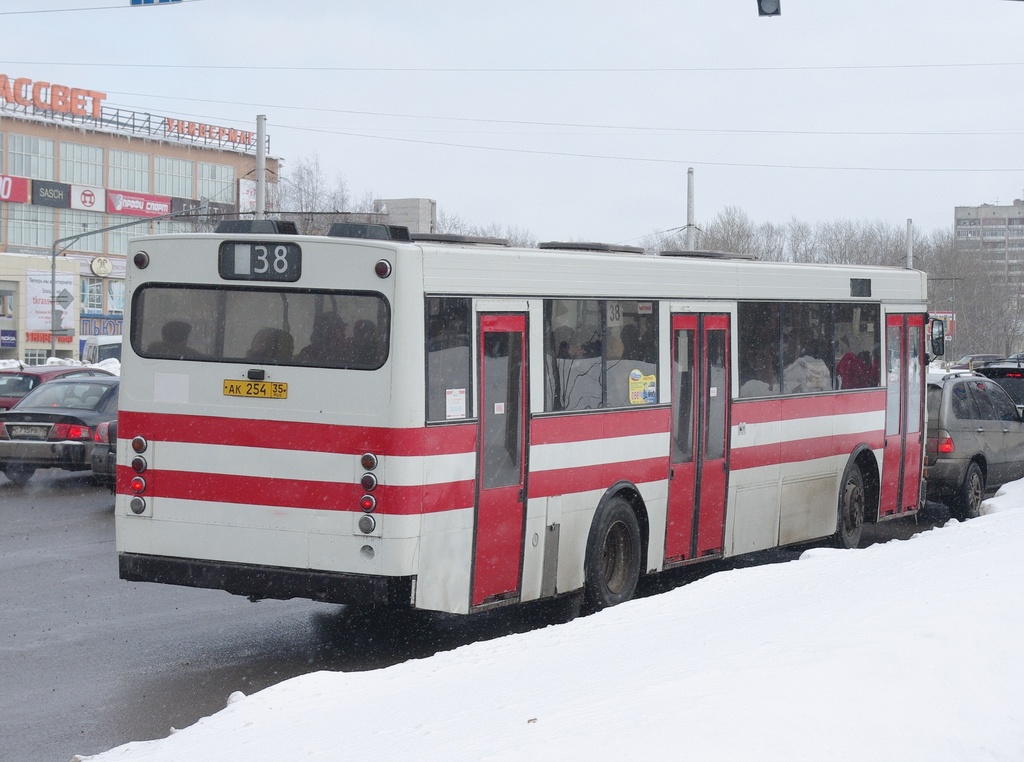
x,y
975,441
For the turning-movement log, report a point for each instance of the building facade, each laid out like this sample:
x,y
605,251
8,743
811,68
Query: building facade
x,y
993,235
72,168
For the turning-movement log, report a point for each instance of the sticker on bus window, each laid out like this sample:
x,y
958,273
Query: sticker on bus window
x,y
454,403
643,390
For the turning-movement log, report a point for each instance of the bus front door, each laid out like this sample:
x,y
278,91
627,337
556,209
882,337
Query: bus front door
x,y
904,414
698,469
500,509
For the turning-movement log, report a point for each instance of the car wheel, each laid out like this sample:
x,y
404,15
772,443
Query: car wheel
x,y
19,474
613,556
850,522
970,494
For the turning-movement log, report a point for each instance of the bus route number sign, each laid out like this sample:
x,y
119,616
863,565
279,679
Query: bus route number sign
x,y
259,260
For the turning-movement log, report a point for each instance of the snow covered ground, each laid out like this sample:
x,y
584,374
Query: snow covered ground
x,y
908,650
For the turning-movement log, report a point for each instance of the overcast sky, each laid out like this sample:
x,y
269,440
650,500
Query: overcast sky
x,y
578,119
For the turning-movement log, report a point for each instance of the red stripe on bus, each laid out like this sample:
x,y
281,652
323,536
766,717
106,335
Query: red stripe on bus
x,y
298,493
581,427
294,435
794,408
798,450
563,481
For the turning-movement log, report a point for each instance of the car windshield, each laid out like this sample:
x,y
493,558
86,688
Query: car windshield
x,y
78,395
16,384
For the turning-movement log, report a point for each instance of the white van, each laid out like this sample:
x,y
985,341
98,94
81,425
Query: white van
x,y
98,348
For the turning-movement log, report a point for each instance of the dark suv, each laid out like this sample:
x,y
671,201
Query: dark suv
x,y
975,440
1010,376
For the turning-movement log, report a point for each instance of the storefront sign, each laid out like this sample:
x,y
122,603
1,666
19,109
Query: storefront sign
x,y
8,339
105,325
88,198
192,207
137,204
209,132
45,193
14,189
37,291
44,96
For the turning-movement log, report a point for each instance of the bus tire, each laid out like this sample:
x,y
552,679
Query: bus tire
x,y
612,566
18,473
967,503
852,500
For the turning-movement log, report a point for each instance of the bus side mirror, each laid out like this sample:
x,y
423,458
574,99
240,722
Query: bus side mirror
x,y
938,332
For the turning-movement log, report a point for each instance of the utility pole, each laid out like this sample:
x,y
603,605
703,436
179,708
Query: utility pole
x,y
261,167
690,229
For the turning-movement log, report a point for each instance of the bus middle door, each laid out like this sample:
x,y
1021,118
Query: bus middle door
x,y
698,476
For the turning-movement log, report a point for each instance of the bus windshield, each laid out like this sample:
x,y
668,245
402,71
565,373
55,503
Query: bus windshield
x,y
328,329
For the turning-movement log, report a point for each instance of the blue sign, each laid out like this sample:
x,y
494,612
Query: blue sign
x,y
154,2
8,339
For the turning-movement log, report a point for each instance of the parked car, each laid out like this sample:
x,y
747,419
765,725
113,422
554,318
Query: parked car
x,y
1010,376
974,361
975,440
104,453
16,382
52,426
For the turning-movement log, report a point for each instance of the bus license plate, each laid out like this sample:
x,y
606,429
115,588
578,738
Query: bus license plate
x,y
274,390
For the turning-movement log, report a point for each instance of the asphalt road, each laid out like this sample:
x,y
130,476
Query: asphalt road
x,y
89,662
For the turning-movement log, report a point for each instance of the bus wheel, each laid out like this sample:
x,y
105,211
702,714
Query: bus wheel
x,y
851,508
613,556
19,474
968,498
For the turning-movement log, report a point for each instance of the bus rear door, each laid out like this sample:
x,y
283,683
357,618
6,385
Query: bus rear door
x,y
500,511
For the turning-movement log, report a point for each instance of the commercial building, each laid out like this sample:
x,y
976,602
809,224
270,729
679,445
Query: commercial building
x,y
72,166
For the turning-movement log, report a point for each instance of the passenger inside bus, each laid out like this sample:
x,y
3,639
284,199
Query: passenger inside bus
x,y
173,340
328,344
271,345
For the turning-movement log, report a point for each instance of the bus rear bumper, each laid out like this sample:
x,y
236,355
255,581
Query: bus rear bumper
x,y
256,582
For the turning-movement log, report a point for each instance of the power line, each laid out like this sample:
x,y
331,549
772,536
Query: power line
x,y
35,11
653,160
587,125
505,70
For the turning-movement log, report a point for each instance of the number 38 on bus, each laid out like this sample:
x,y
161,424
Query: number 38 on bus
x,y
453,424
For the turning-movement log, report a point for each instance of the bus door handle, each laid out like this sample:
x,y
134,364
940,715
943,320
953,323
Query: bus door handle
x,y
521,494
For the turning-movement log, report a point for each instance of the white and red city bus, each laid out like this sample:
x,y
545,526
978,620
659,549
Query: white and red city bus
x,y
455,424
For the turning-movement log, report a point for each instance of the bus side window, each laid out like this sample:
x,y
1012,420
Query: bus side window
x,y
449,358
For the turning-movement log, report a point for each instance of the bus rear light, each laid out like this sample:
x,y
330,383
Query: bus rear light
x,y
382,268
139,444
141,260
367,523
139,464
367,503
137,485
137,504
368,461
61,431
368,482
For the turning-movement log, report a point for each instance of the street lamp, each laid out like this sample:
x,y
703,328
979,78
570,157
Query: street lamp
x,y
68,240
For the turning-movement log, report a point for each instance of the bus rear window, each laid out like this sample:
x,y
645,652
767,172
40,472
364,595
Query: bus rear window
x,y
327,329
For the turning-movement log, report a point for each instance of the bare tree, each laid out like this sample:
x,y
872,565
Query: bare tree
x,y
309,199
